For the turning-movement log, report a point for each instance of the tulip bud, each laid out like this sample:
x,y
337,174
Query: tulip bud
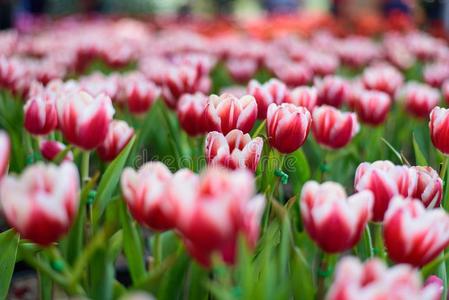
x,y
413,234
371,106
333,128
5,150
40,115
384,78
304,96
429,188
242,69
420,99
118,137
435,74
436,282
140,93
191,113
145,193
334,221
42,203
287,126
273,91
84,120
332,90
235,150
227,112
373,280
322,63
293,74
50,150
439,128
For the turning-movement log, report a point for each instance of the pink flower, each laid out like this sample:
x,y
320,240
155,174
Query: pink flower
x,y
50,150
84,120
242,69
435,74
5,151
439,128
372,107
333,128
373,280
429,188
40,115
42,203
235,150
332,90
322,63
445,90
119,135
145,193
227,112
293,74
304,96
420,99
384,78
273,91
413,234
334,221
191,113
287,126
139,93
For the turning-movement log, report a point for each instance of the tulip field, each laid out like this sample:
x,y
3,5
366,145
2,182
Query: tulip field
x,y
168,159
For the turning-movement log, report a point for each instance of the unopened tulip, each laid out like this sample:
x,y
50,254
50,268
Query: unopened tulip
x,y
332,90
42,203
50,150
118,137
382,78
304,96
145,193
5,150
385,180
235,150
242,69
333,220
435,74
439,128
373,280
40,115
372,107
191,113
420,99
293,74
83,119
227,112
413,234
332,128
287,126
139,93
273,91
429,188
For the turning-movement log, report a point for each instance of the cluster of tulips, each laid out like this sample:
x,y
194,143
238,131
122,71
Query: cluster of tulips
x,y
260,209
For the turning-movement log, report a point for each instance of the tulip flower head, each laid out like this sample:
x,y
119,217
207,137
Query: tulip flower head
x,y
118,137
419,99
5,151
439,129
273,91
332,90
40,115
50,150
304,96
372,107
191,113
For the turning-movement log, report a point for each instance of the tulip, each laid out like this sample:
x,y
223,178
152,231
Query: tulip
x,y
435,74
287,126
333,128
293,74
40,115
420,99
332,90
371,106
98,83
5,150
51,149
436,282
140,94
445,91
385,180
235,150
373,280
333,220
84,120
413,234
429,188
191,113
322,63
242,69
304,96
439,129
273,91
42,203
118,137
384,78
145,193
183,80
226,112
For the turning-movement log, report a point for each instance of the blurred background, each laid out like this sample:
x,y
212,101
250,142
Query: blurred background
x,y
433,14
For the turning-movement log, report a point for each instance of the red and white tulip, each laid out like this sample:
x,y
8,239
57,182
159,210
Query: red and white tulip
x,y
191,113
273,91
119,135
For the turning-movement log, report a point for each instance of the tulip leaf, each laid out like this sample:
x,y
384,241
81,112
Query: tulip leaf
x,y
297,166
171,286
396,153
102,274
420,159
9,242
109,181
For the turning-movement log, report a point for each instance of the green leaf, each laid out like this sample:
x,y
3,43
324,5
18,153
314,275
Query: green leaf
x,y
301,276
420,159
197,279
109,181
102,275
9,242
172,285
396,153
297,166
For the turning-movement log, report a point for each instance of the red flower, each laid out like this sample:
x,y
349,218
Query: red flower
x,y
118,137
273,91
332,90
40,115
439,128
